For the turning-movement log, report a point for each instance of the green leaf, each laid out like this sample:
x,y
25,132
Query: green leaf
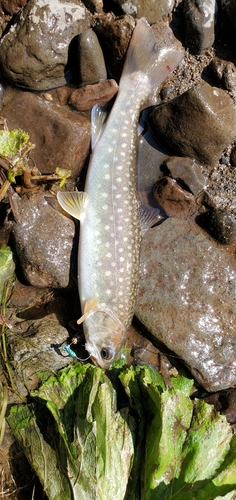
x,y
12,142
7,267
125,436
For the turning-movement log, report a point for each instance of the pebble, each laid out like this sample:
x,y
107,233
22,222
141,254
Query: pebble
x,y
220,224
172,197
34,50
61,137
187,170
186,299
199,124
100,93
200,24
152,11
44,240
92,68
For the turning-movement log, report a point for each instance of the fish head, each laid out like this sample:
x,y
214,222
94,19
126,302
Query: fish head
x,y
104,335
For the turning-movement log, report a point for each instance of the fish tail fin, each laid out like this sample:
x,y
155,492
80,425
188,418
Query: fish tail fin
x,y
146,59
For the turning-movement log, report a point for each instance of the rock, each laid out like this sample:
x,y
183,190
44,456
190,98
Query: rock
x,y
186,299
172,197
100,93
12,6
233,157
34,346
92,68
44,239
61,137
34,50
225,74
220,224
152,11
200,24
230,7
114,36
200,123
187,170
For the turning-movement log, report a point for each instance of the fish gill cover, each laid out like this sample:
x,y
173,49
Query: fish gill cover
x,y
124,435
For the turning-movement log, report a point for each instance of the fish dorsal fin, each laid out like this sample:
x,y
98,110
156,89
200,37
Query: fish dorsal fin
x,y
98,120
74,203
88,306
148,216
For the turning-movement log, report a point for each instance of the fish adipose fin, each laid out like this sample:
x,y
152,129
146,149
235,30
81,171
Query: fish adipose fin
x,y
74,203
148,216
146,58
98,119
89,305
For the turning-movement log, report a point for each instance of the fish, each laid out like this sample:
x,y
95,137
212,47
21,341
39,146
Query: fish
x,y
112,219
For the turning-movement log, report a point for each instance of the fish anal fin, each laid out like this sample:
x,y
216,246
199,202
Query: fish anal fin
x,y
148,216
74,203
98,119
88,306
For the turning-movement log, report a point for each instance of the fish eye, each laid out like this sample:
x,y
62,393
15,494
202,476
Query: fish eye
x,y
105,353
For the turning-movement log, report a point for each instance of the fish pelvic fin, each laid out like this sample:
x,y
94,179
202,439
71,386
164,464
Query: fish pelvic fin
x,y
145,57
74,203
88,306
148,216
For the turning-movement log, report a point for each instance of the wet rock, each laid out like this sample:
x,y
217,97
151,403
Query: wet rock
x,y
61,137
58,96
225,73
172,197
92,68
187,170
27,297
186,299
44,238
35,348
34,51
200,24
200,123
114,35
152,11
230,7
94,6
12,6
220,224
100,93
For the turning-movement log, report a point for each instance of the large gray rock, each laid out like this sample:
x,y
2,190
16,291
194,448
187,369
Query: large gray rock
x,y
34,51
186,299
44,239
61,137
200,123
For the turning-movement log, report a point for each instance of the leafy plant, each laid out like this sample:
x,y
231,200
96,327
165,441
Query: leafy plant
x,y
124,435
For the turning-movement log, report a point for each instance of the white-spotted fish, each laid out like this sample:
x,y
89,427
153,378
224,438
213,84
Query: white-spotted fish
x,y
111,219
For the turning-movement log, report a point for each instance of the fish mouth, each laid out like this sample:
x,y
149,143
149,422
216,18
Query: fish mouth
x,y
94,360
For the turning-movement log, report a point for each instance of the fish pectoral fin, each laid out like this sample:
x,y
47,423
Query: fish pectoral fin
x,y
88,306
148,216
74,203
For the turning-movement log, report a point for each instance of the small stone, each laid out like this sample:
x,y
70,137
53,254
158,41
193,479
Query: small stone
x,y
172,197
199,124
44,239
34,50
61,137
186,299
114,35
92,68
200,24
225,73
152,11
100,93
187,170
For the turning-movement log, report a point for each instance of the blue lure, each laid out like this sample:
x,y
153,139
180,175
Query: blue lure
x,y
71,353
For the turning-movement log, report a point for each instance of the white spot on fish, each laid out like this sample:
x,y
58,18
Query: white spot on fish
x,y
119,179
109,149
104,195
108,255
107,227
108,292
107,176
123,145
106,165
119,167
120,228
107,273
104,207
107,244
